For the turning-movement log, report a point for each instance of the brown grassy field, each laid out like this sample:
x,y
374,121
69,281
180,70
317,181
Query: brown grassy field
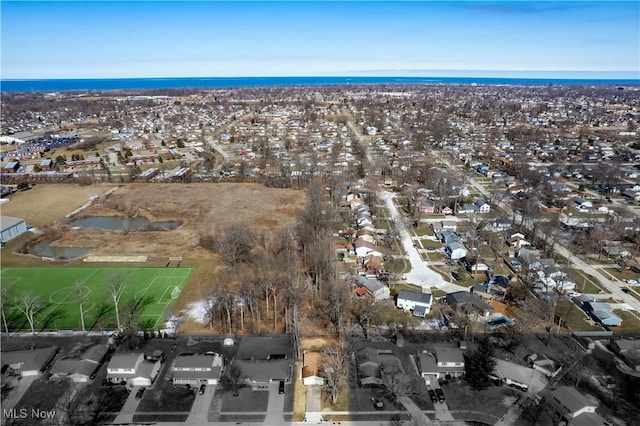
x,y
46,203
202,208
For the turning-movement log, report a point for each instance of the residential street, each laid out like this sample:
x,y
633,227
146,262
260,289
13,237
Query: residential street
x,y
420,273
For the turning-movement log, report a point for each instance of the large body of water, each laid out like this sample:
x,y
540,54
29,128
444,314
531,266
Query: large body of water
x,y
54,85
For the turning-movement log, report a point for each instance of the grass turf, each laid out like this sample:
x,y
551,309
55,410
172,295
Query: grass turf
x,y
151,288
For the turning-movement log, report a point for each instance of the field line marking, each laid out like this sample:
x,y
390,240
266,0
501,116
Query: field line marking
x,y
15,280
160,299
185,274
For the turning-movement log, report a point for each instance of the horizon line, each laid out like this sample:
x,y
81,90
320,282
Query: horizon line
x,y
568,75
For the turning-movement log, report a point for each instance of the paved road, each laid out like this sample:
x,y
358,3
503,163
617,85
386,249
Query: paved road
x,y
420,273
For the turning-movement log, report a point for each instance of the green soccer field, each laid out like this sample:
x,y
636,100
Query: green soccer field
x,y
152,289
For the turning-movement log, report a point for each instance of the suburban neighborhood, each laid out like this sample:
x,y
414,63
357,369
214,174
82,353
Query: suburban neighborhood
x,y
362,254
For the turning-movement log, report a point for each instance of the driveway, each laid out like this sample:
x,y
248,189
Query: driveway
x,y
420,273
17,393
275,409
200,408
130,406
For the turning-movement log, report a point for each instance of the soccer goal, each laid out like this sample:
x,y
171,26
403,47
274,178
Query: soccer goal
x,y
175,293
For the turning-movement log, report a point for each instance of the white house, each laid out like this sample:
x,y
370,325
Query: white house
x,y
440,362
197,369
455,250
569,403
132,368
482,206
418,303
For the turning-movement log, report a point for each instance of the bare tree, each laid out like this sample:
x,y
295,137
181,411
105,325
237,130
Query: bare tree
x,y
30,305
80,293
397,384
116,284
334,370
5,293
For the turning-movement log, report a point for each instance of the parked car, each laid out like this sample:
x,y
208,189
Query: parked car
x,y
140,392
440,395
281,387
203,387
433,396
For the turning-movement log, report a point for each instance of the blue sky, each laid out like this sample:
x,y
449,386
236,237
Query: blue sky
x,y
233,39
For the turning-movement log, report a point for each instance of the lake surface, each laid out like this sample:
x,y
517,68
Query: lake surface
x,y
115,223
44,249
231,82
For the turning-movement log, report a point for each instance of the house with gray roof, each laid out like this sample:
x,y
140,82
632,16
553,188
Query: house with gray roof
x,y
573,407
442,361
455,250
418,303
468,303
197,369
603,313
375,289
28,363
132,367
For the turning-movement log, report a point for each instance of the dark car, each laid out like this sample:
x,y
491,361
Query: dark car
x,y
433,396
440,395
140,392
203,387
281,387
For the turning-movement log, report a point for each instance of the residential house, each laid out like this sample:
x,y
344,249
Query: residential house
x,y
481,206
310,373
468,303
263,360
426,206
530,258
447,211
514,375
455,250
80,370
441,362
449,224
447,236
500,224
570,405
197,369
29,362
467,209
602,312
495,288
364,248
371,363
375,289
475,265
628,350
418,303
581,204
132,367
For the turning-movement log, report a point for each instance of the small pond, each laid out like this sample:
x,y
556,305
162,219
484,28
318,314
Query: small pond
x,y
115,223
44,249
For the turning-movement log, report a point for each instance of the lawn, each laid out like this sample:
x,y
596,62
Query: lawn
x,y
493,401
630,323
152,289
240,404
585,283
573,317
